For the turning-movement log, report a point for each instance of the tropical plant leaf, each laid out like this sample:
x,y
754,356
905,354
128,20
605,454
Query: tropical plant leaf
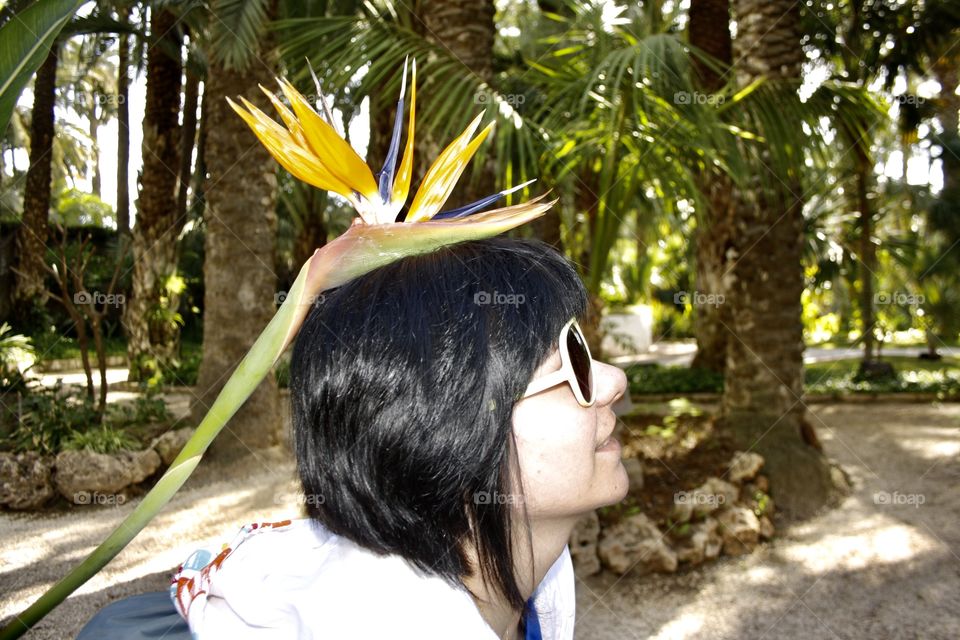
x,y
25,42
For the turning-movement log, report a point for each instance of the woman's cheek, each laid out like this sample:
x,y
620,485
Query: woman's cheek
x,y
557,467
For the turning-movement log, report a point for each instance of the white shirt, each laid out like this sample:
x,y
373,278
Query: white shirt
x,y
296,579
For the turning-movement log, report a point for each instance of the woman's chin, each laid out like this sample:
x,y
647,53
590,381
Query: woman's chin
x,y
619,484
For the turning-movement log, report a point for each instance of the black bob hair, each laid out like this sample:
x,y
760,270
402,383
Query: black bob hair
x,y
403,383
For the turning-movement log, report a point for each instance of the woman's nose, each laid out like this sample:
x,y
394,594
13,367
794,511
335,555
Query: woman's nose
x,y
611,383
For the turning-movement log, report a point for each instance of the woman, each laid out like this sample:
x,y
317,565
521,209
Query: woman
x,y
450,429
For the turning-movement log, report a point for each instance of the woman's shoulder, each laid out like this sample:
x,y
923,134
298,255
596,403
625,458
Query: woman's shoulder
x,y
300,580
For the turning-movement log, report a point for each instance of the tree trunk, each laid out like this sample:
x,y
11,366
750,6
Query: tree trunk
x,y
123,130
200,171
239,281
713,241
151,331
947,74
762,399
465,28
868,251
95,147
188,135
32,234
709,30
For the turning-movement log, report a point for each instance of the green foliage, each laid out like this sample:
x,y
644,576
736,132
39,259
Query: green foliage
x,y
148,407
47,417
185,369
52,419
78,209
101,439
838,377
655,378
236,30
24,44
912,376
16,355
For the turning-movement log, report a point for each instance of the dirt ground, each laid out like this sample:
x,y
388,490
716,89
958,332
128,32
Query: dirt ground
x,y
886,564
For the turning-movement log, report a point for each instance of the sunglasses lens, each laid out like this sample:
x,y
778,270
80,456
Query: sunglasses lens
x,y
580,359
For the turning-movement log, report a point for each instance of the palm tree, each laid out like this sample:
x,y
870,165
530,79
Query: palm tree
x,y
150,316
709,30
598,122
465,29
123,128
32,234
240,193
90,91
762,399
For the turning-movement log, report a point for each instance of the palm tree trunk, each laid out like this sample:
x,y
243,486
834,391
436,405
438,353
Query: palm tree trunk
x,y
239,280
32,234
947,74
709,30
123,130
151,331
466,29
95,149
868,251
191,96
763,388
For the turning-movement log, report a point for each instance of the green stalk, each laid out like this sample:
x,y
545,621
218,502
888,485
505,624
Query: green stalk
x,y
249,373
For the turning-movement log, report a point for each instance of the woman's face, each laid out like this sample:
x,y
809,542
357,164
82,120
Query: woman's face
x,y
569,461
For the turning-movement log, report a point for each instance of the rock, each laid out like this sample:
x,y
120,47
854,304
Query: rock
x,y
25,480
634,469
712,495
583,546
169,444
682,507
82,473
703,542
140,464
745,465
766,528
740,529
636,544
840,479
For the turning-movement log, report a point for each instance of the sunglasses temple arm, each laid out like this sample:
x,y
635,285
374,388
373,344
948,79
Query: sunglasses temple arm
x,y
547,381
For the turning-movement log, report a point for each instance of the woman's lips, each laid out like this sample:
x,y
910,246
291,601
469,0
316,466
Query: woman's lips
x,y
610,444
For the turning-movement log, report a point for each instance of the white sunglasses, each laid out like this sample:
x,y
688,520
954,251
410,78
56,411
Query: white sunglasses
x,y
576,367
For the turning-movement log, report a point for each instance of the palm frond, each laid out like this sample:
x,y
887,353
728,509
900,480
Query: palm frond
x,y
236,28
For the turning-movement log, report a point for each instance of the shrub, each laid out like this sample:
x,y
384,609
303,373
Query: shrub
x,y
655,378
102,439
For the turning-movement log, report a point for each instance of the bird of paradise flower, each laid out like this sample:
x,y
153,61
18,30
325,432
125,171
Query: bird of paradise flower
x,y
311,149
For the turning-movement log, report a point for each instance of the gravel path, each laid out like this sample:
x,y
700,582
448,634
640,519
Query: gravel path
x,y
881,566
